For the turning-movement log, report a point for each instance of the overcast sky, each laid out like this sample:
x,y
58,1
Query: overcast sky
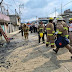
x,y
39,8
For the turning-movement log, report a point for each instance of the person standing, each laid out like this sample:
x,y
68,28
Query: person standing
x,y
26,30
36,26
0,36
31,29
70,31
62,32
21,28
41,29
65,26
50,33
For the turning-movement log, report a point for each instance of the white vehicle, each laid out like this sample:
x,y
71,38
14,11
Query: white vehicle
x,y
44,20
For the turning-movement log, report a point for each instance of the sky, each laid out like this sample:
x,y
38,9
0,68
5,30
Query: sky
x,y
34,9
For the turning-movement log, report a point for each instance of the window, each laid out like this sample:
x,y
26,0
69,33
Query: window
x,y
44,21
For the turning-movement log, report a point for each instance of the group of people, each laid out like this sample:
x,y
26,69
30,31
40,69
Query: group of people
x,y
33,28
57,35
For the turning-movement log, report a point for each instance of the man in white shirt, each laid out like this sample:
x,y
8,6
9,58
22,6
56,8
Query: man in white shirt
x,y
36,26
70,31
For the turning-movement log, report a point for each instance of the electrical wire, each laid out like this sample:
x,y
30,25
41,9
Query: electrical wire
x,y
59,8
12,3
15,3
11,10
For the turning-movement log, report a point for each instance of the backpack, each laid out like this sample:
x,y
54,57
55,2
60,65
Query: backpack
x,y
61,42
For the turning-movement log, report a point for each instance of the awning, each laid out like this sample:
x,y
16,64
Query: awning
x,y
4,18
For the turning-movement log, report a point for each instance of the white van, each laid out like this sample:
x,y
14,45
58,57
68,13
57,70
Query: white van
x,y
45,21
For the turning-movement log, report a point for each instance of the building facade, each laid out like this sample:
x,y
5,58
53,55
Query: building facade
x,y
4,19
14,23
66,15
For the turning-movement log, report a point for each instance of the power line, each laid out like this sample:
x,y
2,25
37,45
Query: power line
x,y
15,3
59,8
8,7
11,10
20,6
1,2
11,5
67,3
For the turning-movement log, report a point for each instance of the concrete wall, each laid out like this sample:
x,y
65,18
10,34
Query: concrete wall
x,y
18,22
13,20
10,28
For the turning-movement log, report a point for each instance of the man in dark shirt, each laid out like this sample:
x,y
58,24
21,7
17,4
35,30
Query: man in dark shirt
x,y
0,34
21,28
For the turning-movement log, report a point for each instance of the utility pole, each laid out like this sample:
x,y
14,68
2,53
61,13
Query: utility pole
x,y
19,9
61,8
15,12
36,19
1,4
7,12
55,11
7,7
20,6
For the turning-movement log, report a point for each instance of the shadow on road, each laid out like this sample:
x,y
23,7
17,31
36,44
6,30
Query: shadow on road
x,y
52,65
6,50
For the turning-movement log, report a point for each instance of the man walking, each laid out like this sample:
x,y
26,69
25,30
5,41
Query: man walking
x,y
41,29
26,30
62,35
50,33
21,28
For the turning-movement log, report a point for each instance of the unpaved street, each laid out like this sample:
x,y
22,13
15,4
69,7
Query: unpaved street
x,y
29,56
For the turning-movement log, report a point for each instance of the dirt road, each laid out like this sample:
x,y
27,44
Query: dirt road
x,y
29,56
